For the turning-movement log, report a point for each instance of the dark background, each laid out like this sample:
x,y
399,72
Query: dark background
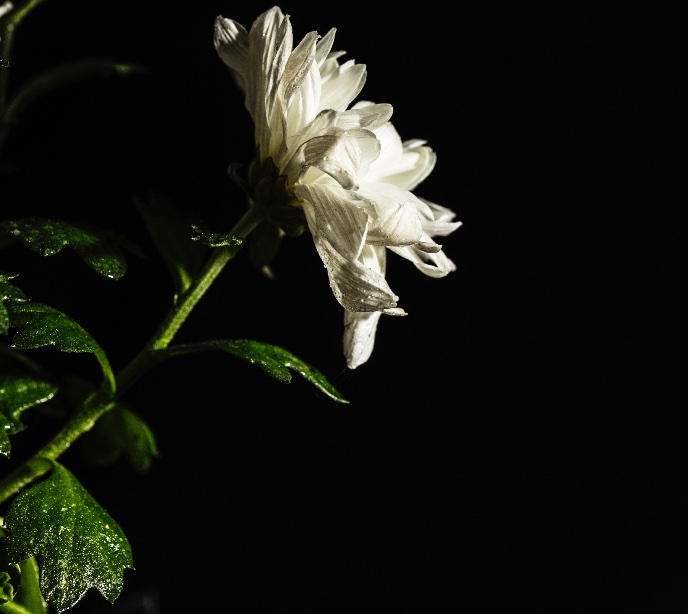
x,y
515,443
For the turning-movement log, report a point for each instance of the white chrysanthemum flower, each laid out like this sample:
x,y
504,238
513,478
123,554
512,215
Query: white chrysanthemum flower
x,y
345,169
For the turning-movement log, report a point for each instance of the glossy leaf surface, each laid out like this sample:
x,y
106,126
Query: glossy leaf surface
x,y
79,543
10,573
214,239
18,393
274,360
41,326
8,293
100,249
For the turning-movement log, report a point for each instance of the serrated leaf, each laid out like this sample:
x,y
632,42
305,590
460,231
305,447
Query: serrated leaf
x,y
17,394
171,234
120,431
274,360
10,573
9,293
100,249
41,326
65,74
79,543
214,239
29,594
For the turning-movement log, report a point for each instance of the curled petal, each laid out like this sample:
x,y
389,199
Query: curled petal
x,y
439,221
393,214
356,287
333,214
369,116
343,155
431,264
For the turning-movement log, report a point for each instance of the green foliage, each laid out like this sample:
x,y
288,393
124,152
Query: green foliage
x,y
171,231
120,432
40,326
64,74
274,360
78,543
28,598
100,249
8,292
10,573
19,584
214,239
18,393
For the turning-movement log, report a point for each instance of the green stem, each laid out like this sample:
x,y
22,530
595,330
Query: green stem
x,y
102,401
8,25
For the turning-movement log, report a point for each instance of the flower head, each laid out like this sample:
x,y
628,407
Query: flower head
x,y
340,169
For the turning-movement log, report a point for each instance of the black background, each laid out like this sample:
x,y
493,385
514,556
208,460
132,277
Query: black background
x,y
515,443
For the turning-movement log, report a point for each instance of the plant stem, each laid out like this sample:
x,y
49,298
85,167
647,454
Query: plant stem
x,y
102,401
8,25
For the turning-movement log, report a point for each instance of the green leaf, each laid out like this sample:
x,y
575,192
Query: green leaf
x,y
17,394
274,360
8,292
99,248
40,326
10,573
171,234
28,599
214,239
79,544
120,432
65,74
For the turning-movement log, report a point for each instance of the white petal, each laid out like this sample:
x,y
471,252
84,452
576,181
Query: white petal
x,y
342,154
341,85
322,49
334,215
369,117
402,164
231,42
298,69
439,223
433,265
356,287
6,7
270,43
359,336
393,214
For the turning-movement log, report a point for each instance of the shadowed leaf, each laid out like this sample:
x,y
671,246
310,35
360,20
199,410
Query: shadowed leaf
x,y
65,74
120,432
171,233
